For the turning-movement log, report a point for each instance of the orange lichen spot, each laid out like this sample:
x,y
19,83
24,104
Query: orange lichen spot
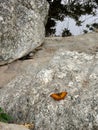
x,y
58,96
29,126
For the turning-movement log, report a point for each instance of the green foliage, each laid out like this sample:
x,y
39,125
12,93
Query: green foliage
x,y
4,117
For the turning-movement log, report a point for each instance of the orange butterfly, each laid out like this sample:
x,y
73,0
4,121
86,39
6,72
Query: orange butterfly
x,y
58,96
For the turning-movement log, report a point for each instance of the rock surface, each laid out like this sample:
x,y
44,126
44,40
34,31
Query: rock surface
x,y
5,126
21,27
67,67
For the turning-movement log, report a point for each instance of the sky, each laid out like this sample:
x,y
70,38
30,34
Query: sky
x,y
70,23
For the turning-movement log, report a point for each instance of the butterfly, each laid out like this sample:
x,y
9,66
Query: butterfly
x,y
58,96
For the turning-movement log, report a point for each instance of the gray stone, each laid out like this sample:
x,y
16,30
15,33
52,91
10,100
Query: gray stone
x,y
27,95
21,27
5,126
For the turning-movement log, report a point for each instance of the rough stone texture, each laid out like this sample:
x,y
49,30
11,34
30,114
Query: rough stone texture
x,y
27,96
5,126
21,27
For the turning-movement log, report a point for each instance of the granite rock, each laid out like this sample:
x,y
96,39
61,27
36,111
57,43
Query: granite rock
x,y
27,96
5,126
21,27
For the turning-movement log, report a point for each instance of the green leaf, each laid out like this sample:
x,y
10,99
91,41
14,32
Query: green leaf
x,y
1,110
5,117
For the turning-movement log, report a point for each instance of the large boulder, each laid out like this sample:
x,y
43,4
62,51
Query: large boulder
x,y
27,96
21,27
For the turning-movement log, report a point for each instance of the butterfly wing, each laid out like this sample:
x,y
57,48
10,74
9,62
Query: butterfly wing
x,y
58,96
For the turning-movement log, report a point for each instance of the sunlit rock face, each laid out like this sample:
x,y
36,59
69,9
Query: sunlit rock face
x,y
5,126
21,27
27,96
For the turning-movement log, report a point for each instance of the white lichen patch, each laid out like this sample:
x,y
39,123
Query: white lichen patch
x,y
61,75
93,76
45,75
1,18
71,84
96,118
96,54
